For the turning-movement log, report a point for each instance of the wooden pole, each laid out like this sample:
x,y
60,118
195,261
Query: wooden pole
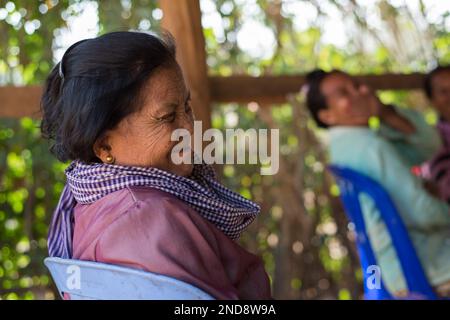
x,y
274,89
16,102
183,20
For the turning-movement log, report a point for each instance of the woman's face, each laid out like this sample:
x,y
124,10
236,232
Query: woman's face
x,y
144,137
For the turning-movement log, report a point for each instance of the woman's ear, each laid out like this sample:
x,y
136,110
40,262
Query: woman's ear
x,y
326,116
102,147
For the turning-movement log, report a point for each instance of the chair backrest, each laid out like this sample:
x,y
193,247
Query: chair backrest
x,y
87,280
352,184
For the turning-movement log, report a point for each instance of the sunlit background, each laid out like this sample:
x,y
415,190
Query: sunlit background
x,y
302,233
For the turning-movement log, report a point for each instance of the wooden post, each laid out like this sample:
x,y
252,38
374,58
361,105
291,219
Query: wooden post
x,y
16,102
183,20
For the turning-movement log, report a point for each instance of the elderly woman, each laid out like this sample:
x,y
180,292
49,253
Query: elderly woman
x,y
110,106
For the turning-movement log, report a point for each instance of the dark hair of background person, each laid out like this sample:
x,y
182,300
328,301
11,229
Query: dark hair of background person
x,y
315,100
428,88
97,84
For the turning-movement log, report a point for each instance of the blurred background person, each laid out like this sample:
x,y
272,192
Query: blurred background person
x,y
436,171
386,154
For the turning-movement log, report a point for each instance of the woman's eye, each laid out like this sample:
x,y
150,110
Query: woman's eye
x,y
170,117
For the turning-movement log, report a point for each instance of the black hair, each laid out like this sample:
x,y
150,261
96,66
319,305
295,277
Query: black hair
x,y
96,84
315,100
428,88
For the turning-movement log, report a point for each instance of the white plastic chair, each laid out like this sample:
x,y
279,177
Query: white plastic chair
x,y
87,280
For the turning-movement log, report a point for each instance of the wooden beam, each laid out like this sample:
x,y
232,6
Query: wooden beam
x,y
274,89
24,101
183,20
16,102
393,81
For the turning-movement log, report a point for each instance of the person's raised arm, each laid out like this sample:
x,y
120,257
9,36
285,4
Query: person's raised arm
x,y
390,117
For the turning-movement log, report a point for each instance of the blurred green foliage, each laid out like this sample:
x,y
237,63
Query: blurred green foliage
x,y
31,179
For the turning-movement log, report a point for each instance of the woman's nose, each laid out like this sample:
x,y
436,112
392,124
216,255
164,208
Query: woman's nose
x,y
187,122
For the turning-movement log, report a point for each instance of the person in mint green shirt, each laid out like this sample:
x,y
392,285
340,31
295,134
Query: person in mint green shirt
x,y
386,152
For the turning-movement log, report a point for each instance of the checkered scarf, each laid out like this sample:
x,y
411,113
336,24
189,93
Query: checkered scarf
x,y
87,183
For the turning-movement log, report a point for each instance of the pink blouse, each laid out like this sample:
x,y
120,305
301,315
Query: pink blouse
x,y
152,230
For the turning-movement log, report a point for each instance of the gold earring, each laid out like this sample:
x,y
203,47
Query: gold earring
x,y
110,159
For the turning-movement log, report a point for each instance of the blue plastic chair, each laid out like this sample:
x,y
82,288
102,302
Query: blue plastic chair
x,y
87,280
351,185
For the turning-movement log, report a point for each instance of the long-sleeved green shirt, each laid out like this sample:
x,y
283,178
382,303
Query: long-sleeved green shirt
x,y
386,155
